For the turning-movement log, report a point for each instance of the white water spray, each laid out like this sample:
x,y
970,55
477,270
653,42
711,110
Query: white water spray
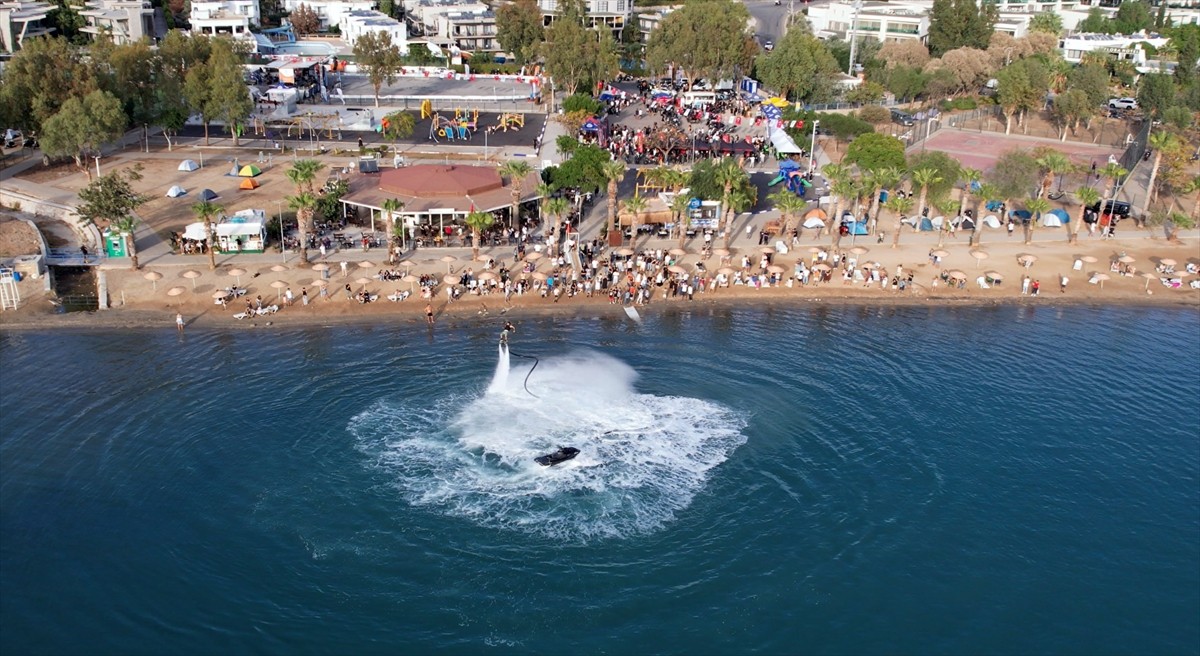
x,y
643,457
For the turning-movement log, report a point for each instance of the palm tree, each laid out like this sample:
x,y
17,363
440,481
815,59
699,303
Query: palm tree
x,y
478,221
634,206
1087,196
970,178
516,171
987,193
729,174
1052,163
556,208
391,207
946,206
303,174
206,212
882,178
681,212
901,206
842,188
925,178
740,200
305,204
544,192
674,179
1037,207
1193,186
1114,172
789,206
1159,141
613,172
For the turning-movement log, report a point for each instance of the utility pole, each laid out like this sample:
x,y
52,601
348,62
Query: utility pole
x,y
854,36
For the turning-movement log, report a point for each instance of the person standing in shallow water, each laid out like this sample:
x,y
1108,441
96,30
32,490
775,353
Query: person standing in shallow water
x,y
429,313
179,321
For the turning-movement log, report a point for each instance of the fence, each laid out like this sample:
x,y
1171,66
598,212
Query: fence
x,y
1138,142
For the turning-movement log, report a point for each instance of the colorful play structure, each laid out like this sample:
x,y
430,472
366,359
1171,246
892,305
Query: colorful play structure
x,y
509,121
461,127
792,175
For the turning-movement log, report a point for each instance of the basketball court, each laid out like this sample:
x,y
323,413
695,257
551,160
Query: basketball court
x,y
980,150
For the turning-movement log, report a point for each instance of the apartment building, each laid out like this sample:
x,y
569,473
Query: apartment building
x,y
357,23
124,21
330,11
612,14
224,17
882,21
20,20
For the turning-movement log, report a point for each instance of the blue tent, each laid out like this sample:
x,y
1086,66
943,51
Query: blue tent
x,y
1055,218
926,224
1023,216
591,125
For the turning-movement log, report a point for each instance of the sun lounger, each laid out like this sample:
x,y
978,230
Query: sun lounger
x,y
241,315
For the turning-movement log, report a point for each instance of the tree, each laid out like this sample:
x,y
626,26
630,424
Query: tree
x,y
946,167
907,53
800,67
1132,16
875,151
681,213
925,178
206,211
82,126
574,54
634,207
879,179
111,199
1051,163
970,178
379,58
1113,172
1070,108
519,29
1046,21
1178,117
613,173
706,38
228,99
900,205
986,193
583,170
905,83
1014,174
1036,207
136,68
556,208
957,23
968,66
844,188
478,222
39,78
1156,93
1022,85
1087,197
398,125
197,90
1160,141
789,206
1095,23
304,20
516,171
391,207
730,176
302,174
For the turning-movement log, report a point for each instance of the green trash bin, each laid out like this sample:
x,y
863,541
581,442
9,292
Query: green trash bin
x,y
114,244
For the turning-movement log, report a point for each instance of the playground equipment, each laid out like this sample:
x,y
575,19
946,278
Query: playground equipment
x,y
467,117
509,121
449,129
315,123
426,109
790,171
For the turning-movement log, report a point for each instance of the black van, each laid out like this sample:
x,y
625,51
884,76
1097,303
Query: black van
x,y
1121,208
902,118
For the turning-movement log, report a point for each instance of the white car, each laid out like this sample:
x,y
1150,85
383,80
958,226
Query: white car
x,y
1122,103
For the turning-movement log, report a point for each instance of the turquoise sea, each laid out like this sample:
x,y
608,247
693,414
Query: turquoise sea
x,y
826,480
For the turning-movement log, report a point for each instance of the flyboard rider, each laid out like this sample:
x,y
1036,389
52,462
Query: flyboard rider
x,y
508,329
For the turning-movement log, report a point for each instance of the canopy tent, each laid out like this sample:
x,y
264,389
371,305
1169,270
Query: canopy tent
x,y
208,194
176,191
249,183
591,125
188,165
195,231
782,142
1055,218
249,171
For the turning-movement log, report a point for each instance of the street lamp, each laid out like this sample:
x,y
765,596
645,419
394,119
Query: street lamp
x,y
812,151
282,241
853,35
97,158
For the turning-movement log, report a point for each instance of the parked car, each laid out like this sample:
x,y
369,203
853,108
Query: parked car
x,y
902,118
1122,103
1120,208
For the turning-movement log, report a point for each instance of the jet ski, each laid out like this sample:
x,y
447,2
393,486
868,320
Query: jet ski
x,y
562,455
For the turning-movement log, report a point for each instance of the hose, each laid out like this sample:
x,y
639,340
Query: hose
x,y
535,364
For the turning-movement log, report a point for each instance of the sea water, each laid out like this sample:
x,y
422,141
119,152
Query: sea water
x,y
820,480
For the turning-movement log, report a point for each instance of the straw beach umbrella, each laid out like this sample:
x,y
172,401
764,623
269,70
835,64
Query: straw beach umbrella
x,y
1100,277
279,268
1026,260
1127,259
1148,276
1166,261
675,268
176,291
191,275
237,273
153,277
956,274
860,250
994,275
448,259
979,256
450,279
678,252
366,264
411,280
279,285
624,251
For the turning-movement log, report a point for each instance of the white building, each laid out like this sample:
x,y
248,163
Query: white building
x,y
611,13
330,11
1127,48
357,23
125,21
227,17
472,31
882,21
20,20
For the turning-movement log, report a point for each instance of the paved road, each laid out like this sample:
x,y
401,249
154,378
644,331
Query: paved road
x,y
771,17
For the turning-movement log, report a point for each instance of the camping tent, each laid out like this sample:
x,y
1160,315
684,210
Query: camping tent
x,y
1055,218
813,222
249,171
188,165
208,194
176,191
249,183
991,221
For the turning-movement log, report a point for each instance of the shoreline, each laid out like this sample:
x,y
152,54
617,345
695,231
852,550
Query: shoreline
x,y
465,312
